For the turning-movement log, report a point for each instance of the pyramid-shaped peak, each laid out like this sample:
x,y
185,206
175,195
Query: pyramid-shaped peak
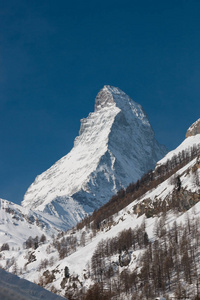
x,y
193,129
115,146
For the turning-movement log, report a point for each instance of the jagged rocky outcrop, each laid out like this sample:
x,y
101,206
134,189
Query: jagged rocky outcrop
x,y
193,129
115,146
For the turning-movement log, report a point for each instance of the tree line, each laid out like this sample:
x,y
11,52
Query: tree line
x,y
168,264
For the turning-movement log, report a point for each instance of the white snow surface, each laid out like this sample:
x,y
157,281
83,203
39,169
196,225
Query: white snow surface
x,y
14,288
115,147
17,224
186,145
78,261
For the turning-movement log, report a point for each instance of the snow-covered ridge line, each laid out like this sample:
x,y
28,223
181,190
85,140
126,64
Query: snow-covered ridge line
x,y
193,129
186,145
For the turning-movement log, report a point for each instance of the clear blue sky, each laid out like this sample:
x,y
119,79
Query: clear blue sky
x,y
56,55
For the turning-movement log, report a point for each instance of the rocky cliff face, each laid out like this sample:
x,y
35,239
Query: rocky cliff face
x,y
115,146
193,129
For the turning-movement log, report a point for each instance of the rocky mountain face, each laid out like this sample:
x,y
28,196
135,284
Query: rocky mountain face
x,y
193,129
115,146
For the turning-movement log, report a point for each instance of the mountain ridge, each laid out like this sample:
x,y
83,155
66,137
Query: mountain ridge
x,y
115,146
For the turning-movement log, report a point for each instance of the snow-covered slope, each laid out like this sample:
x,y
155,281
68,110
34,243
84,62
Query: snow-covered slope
x,y
81,244
17,224
75,248
14,288
186,145
115,146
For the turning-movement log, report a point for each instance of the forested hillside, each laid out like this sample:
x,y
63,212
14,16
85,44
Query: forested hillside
x,y
144,243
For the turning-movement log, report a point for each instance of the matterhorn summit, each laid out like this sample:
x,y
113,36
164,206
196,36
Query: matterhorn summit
x,y
115,146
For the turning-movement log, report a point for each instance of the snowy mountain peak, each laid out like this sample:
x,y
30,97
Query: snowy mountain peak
x,y
112,96
115,146
193,129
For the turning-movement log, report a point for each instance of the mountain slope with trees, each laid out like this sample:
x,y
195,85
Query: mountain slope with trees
x,y
144,243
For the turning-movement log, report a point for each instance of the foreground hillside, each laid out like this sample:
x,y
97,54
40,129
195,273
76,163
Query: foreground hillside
x,y
144,243
14,288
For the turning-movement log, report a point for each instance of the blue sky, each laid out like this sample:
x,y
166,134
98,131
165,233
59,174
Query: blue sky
x,y
56,55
